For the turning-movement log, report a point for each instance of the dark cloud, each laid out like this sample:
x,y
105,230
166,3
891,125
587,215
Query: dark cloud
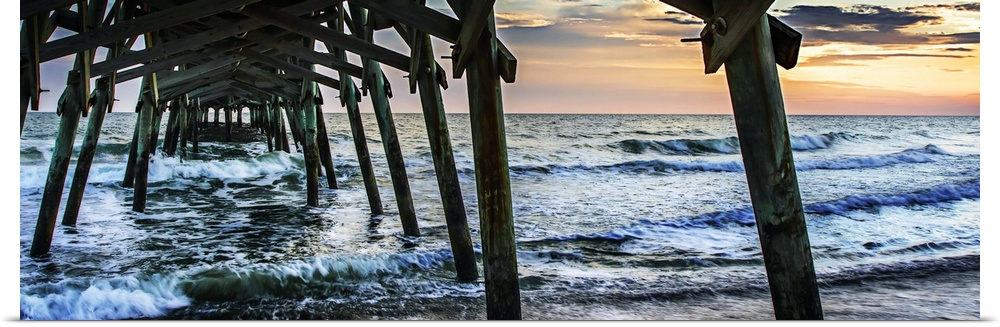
x,y
677,18
846,59
972,6
859,17
870,24
958,49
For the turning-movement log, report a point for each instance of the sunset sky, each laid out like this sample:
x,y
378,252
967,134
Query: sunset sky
x,y
598,56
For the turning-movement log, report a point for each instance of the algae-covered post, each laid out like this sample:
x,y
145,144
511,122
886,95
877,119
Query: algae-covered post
x,y
739,35
380,92
426,76
489,143
89,147
767,155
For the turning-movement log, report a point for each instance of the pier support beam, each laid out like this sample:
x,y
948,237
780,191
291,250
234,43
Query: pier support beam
x,y
393,152
195,129
86,158
173,127
351,97
323,146
71,104
444,161
496,216
759,112
310,151
145,121
184,128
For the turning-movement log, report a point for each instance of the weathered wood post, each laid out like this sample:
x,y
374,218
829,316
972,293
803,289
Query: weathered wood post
x,y
143,150
170,135
30,72
489,144
229,119
129,179
444,158
323,146
351,97
71,104
394,155
100,101
216,116
154,134
294,123
238,111
310,151
759,112
196,129
184,128
268,127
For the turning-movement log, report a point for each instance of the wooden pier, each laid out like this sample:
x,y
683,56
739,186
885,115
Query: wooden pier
x,y
205,58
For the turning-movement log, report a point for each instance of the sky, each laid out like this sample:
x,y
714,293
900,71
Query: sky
x,y
889,57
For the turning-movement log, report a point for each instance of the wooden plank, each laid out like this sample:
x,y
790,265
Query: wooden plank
x,y
30,8
507,63
759,113
786,42
496,216
326,35
436,121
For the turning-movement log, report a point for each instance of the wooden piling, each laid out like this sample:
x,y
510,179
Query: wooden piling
x,y
323,146
229,122
184,127
350,94
310,151
444,162
171,134
196,129
393,153
217,116
145,121
238,111
129,179
767,155
89,148
70,108
154,133
267,127
496,216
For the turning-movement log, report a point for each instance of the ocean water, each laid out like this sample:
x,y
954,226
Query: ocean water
x,y
616,217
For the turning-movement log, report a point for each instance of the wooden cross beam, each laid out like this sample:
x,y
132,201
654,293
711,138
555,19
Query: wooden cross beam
x,y
152,22
218,33
434,23
326,35
727,26
30,8
291,68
